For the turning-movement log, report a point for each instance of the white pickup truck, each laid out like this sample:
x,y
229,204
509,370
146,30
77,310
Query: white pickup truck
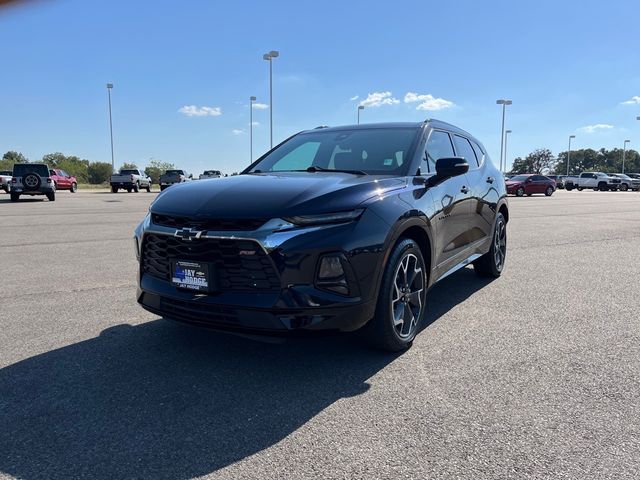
x,y
594,180
130,179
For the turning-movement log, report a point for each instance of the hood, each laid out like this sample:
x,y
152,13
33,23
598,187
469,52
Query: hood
x,y
269,195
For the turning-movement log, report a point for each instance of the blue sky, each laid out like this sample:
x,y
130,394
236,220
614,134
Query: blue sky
x,y
567,66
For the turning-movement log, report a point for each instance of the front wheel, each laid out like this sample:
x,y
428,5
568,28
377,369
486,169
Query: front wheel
x,y
492,263
149,188
520,192
74,187
549,191
401,299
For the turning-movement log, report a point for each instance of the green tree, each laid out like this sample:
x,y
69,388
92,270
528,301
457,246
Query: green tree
x,y
73,165
538,161
129,166
10,158
99,172
157,168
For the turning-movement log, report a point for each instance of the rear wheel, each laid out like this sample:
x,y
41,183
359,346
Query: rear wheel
x,y
51,196
128,190
149,188
492,263
114,189
602,187
136,187
401,299
15,197
74,187
549,191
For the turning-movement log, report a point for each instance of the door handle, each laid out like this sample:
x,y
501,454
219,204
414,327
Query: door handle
x,y
464,189
489,179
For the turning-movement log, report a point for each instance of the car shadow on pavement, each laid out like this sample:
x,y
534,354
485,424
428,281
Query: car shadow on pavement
x,y
23,200
163,400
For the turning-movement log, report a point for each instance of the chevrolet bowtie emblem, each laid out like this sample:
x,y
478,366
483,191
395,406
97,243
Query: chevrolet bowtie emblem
x,y
188,234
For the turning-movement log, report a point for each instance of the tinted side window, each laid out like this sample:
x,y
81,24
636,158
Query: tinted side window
x,y
464,149
438,146
479,153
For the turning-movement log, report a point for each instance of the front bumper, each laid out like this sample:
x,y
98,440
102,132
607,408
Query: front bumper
x,y
296,303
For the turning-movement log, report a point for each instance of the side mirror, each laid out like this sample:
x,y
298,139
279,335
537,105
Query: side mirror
x,y
451,167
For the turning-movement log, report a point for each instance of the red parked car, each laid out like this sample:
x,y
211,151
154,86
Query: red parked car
x,y
63,181
529,184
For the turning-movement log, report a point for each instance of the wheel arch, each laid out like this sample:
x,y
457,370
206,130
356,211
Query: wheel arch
x,y
417,230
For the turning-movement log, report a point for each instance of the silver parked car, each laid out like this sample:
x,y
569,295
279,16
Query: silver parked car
x,y
627,182
5,180
210,174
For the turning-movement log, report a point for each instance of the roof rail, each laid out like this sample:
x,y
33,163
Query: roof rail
x,y
321,126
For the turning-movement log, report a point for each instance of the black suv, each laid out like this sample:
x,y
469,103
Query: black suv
x,y
335,228
32,179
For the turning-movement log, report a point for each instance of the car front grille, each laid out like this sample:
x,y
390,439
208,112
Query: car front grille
x,y
251,271
617,180
218,224
195,312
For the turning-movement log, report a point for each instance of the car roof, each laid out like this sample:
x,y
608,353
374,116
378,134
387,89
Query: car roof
x,y
431,122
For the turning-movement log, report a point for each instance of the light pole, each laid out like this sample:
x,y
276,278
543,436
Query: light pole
x,y
506,136
269,57
569,152
624,151
251,100
504,103
360,107
109,87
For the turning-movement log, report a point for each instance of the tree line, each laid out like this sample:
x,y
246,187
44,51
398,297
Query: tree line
x,y
84,170
542,161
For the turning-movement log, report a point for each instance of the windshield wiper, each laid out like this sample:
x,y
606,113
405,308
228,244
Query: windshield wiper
x,y
314,168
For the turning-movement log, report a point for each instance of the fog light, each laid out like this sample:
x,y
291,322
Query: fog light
x,y
331,275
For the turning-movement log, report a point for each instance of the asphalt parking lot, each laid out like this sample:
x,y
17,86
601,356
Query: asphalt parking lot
x,y
533,375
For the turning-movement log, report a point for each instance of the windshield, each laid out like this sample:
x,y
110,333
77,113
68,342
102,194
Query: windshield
x,y
519,178
376,151
128,172
20,170
174,172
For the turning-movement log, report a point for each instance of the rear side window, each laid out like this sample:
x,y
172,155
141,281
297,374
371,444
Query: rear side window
x,y
464,149
438,146
479,152
20,170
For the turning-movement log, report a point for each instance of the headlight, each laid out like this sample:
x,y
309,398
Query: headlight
x,y
338,217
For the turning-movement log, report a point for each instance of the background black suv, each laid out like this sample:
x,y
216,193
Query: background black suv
x,y
335,228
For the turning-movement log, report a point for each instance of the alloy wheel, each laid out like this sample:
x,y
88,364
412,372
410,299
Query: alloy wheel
x,y
408,295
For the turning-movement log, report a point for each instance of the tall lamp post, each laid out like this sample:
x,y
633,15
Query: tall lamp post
x,y
624,151
109,87
504,103
569,152
360,107
251,100
506,137
269,57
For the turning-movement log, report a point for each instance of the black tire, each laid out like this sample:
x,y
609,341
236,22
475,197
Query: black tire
x,y
7,189
114,189
549,191
491,264
384,331
15,197
74,187
569,188
529,194
580,189
51,196
31,181
136,187
149,188
128,190
602,187
520,192
162,187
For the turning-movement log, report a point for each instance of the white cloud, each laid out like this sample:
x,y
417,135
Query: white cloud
x,y
635,100
595,128
237,131
354,98
255,124
377,99
194,111
427,101
260,106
